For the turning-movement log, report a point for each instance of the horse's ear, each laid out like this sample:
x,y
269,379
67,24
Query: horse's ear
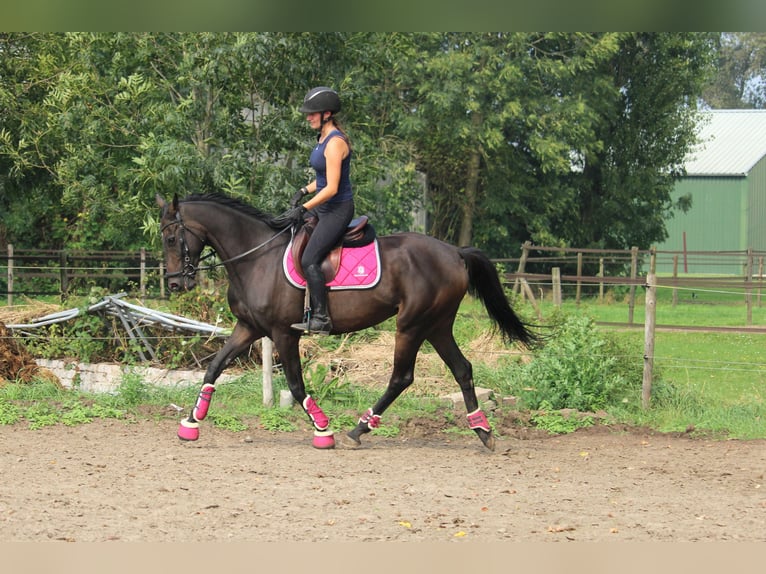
x,y
175,202
160,201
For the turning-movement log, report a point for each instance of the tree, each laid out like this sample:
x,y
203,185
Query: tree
x,y
561,138
564,139
739,78
495,118
622,195
113,119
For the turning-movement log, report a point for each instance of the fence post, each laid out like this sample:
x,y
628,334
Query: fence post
x,y
760,281
63,274
749,286
142,274
162,279
520,271
633,275
675,280
649,324
10,274
556,280
579,282
601,283
267,352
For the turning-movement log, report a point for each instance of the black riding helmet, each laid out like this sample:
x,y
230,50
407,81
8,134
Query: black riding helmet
x,y
321,99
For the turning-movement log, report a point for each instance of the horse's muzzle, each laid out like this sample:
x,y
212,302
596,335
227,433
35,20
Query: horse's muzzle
x,y
176,284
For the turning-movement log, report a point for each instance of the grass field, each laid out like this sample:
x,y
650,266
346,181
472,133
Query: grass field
x,y
720,377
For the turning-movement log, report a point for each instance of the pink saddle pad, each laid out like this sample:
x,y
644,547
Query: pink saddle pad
x,y
359,268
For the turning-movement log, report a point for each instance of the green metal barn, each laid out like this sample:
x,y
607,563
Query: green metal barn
x,y
726,178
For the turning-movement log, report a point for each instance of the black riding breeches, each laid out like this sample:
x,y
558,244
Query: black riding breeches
x,y
333,220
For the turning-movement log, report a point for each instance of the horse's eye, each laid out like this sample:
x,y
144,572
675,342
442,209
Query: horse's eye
x,y
171,240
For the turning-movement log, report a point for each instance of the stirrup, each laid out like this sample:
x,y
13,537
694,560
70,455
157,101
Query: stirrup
x,y
314,326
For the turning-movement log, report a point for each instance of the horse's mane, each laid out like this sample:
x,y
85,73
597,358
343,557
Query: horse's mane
x,y
233,203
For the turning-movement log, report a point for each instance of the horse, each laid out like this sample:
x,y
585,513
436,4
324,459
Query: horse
x,y
422,282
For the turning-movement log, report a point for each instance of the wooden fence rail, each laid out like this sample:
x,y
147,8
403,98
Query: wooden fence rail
x,y
629,268
48,272
59,272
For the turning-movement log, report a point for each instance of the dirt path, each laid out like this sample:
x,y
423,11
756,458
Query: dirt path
x,y
110,480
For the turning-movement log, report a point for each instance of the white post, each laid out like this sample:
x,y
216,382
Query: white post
x,y
267,352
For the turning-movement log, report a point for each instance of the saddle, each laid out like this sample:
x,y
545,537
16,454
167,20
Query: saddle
x,y
358,233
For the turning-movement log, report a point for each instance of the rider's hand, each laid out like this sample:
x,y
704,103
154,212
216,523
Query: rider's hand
x,y
298,196
293,216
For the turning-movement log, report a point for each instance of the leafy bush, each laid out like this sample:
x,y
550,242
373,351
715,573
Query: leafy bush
x,y
578,368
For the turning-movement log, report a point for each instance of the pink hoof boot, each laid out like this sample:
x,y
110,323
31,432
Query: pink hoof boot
x,y
320,420
188,430
323,439
203,402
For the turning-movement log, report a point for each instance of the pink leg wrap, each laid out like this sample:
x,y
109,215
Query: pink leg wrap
x,y
203,402
320,420
478,420
370,419
188,430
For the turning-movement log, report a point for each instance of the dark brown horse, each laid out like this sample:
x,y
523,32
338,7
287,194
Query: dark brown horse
x,y
423,282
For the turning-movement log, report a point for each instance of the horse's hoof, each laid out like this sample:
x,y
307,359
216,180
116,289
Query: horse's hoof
x,y
188,430
323,440
486,437
348,441
489,442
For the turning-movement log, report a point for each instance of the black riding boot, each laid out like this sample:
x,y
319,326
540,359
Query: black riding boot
x,y
319,317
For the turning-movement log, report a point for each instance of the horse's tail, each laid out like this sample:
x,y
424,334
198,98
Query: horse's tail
x,y
484,283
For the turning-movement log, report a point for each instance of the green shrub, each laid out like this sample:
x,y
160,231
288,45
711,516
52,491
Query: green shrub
x,y
578,368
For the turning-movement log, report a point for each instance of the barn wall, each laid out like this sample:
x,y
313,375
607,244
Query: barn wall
x,y
756,215
717,220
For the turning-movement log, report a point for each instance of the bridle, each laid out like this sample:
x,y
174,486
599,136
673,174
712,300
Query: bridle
x,y
188,269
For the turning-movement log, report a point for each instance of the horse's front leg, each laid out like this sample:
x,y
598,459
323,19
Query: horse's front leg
x,y
239,341
287,347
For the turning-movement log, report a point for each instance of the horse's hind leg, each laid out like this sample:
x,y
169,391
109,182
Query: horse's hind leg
x,y
403,374
241,338
461,368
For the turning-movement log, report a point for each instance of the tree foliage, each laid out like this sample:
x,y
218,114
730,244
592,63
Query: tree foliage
x,y
740,76
561,138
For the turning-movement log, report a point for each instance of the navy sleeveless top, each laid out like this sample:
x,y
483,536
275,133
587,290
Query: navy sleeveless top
x,y
319,163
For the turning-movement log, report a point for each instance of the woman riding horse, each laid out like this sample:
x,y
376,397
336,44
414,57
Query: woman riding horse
x,y
332,204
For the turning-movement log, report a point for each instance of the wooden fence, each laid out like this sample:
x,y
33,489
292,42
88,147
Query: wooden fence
x,y
61,272
539,270
596,269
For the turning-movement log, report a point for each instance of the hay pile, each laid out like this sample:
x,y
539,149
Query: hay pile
x,y
16,364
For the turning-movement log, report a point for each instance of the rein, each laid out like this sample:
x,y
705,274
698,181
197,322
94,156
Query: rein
x,y
189,270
